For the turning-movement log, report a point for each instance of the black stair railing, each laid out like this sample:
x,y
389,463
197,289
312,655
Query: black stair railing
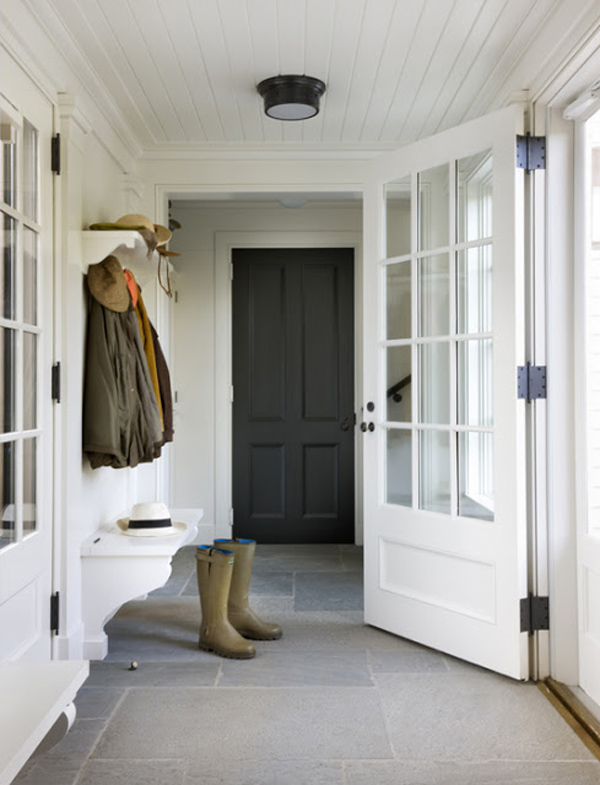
x,y
394,390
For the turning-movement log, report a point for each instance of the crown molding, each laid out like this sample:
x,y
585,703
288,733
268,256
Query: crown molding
x,y
40,45
245,151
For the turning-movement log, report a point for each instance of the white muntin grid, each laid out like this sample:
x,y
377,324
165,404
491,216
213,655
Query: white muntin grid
x,y
417,343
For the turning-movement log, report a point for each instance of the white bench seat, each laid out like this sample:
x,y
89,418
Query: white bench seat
x,y
34,695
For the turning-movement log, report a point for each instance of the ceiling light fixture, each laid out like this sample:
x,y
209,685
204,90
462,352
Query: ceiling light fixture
x,y
291,97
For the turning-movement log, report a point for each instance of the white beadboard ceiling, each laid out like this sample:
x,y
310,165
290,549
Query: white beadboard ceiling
x,y
183,73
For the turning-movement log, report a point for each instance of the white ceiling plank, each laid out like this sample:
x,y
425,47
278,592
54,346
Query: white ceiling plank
x,y
209,31
120,15
534,50
153,26
264,35
291,23
470,49
240,56
182,74
427,37
391,64
373,36
320,15
430,91
514,18
182,33
346,33
98,52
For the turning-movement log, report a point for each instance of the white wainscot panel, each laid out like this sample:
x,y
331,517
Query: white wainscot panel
x,y
19,621
439,578
591,604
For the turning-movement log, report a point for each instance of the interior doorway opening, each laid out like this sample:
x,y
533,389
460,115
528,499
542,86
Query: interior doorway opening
x,y
212,226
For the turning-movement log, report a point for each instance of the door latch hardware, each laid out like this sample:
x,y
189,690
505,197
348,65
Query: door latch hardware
x,y
535,614
531,382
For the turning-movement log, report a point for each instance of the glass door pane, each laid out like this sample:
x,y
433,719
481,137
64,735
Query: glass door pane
x,y
398,202
7,493
20,333
399,467
438,314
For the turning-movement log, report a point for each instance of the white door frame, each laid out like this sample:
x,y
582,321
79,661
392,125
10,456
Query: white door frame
x,y
556,254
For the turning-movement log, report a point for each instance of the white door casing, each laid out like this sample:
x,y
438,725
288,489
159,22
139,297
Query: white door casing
x,y
26,358
445,474
587,292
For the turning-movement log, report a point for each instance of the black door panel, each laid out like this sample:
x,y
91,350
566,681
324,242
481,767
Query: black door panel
x,y
293,376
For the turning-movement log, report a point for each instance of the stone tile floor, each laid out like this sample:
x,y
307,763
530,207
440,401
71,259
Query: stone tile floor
x,y
334,702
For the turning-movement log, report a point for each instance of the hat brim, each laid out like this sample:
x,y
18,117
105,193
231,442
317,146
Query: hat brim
x,y
164,531
163,235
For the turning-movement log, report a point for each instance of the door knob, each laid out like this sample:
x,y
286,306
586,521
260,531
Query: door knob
x,y
367,427
363,427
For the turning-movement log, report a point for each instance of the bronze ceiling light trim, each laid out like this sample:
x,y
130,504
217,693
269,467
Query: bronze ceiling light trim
x,y
291,97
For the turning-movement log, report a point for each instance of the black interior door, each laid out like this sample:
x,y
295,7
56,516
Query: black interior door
x,y
293,408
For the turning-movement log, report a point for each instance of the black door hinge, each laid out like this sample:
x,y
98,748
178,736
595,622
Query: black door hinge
x,y
56,382
535,614
56,154
531,382
531,152
54,613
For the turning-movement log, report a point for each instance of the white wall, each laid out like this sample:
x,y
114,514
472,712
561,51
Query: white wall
x,y
199,319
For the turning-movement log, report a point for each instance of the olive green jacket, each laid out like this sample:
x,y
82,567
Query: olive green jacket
x,y
121,421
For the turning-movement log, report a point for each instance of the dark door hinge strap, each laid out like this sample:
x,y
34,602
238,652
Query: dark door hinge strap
x,y
55,162
535,614
56,382
531,152
54,613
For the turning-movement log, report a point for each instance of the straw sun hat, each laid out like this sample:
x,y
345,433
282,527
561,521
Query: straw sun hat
x,y
138,222
150,519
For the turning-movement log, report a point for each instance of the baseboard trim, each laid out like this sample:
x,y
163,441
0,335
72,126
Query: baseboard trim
x,y
573,711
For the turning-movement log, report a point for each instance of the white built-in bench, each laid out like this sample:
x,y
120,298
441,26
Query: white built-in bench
x,y
34,696
116,568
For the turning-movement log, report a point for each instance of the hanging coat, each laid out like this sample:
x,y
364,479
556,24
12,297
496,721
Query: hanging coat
x,y
121,421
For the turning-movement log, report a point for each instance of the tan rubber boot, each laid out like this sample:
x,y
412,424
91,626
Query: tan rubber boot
x,y
214,568
240,614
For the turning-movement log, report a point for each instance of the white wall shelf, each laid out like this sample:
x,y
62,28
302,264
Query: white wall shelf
x,y
117,568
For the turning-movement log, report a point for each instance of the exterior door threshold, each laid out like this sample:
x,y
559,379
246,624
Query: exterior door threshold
x,y
585,724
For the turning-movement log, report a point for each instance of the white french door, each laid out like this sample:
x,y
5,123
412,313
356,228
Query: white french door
x,y
25,360
444,432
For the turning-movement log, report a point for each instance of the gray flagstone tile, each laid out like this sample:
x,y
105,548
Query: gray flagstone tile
x,y
93,703
302,669
324,591
488,773
283,558
259,723
474,717
42,770
202,672
135,772
402,661
265,772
